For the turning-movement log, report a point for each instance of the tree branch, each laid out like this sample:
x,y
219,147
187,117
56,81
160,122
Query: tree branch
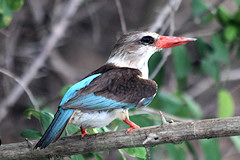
x,y
25,88
121,16
172,5
57,32
144,137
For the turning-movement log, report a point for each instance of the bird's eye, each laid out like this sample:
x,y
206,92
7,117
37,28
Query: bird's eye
x,y
147,40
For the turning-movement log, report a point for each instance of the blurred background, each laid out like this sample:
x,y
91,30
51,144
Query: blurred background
x,y
46,46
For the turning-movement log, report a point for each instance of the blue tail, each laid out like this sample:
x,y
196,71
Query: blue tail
x,y
56,128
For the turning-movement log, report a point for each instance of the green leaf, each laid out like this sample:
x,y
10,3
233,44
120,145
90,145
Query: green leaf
x,y
72,128
194,108
207,18
15,4
236,17
211,68
106,129
31,133
64,90
139,152
225,104
211,149
5,14
198,7
170,104
143,120
46,119
122,155
236,142
176,152
230,33
77,157
222,15
238,2
94,130
153,63
202,48
97,156
181,60
32,112
220,53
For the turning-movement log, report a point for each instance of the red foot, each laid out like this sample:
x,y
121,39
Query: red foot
x,y
84,132
131,124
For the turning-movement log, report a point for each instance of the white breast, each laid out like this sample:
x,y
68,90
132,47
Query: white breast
x,y
95,119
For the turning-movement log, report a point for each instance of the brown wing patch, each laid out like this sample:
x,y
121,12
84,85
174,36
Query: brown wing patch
x,y
121,84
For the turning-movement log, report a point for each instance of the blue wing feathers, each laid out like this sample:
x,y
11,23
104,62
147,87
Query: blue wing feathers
x,y
56,128
93,102
147,100
73,90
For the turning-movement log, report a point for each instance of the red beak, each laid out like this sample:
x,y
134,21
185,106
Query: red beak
x,y
168,42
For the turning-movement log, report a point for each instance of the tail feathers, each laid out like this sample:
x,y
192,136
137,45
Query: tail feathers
x,y
56,128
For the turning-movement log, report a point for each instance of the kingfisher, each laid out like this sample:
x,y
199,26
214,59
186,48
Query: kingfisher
x,y
110,91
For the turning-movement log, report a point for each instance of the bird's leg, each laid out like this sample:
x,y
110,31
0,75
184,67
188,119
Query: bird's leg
x,y
84,132
131,124
124,115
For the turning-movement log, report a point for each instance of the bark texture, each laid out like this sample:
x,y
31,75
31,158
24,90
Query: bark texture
x,y
176,132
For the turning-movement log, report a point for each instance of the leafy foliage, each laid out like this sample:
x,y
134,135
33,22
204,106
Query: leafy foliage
x,y
31,133
211,149
6,9
225,104
139,152
176,152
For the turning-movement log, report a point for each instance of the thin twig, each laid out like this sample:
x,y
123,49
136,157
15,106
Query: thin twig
x,y
172,21
67,72
96,27
200,33
162,62
168,116
5,33
164,14
165,27
121,16
26,89
154,113
37,10
57,32
171,32
83,13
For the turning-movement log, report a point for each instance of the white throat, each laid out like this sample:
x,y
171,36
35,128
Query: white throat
x,y
134,62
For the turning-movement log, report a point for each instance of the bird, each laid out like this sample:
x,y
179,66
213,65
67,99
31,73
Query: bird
x,y
110,91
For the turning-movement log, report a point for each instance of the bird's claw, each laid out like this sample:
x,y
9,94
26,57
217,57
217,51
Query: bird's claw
x,y
131,128
84,132
131,124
